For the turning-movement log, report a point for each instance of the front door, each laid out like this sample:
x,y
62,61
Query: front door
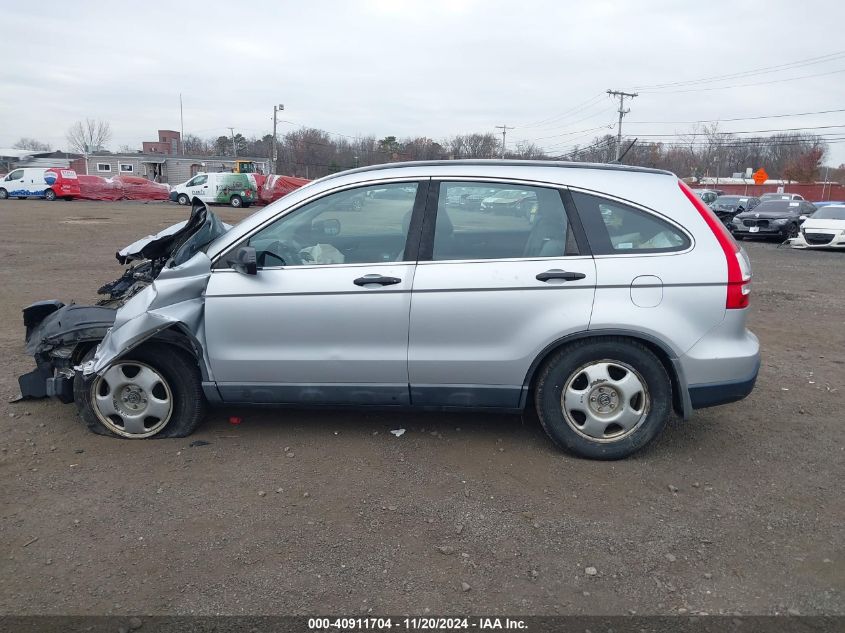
x,y
325,319
505,278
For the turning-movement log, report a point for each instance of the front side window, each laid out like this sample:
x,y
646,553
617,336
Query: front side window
x,y
15,175
355,226
103,167
485,220
198,180
616,228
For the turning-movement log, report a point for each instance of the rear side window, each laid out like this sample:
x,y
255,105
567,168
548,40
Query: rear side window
x,y
615,228
492,220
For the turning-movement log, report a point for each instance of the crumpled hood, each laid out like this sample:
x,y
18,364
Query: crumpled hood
x,y
165,242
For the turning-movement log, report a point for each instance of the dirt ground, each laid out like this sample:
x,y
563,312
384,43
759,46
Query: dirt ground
x,y
739,510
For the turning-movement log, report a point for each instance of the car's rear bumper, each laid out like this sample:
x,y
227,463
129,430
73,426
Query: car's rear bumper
x,y
722,366
714,394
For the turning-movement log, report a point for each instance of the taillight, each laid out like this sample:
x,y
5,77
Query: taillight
x,y
739,272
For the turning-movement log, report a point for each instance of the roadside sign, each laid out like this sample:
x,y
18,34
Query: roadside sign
x,y
760,176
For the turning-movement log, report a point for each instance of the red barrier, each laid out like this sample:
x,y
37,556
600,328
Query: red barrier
x,y
121,188
135,188
812,192
274,187
99,188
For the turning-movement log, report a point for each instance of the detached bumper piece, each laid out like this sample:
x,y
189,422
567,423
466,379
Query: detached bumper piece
x,y
54,333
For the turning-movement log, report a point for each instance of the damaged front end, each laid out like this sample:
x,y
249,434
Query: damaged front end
x,y
161,287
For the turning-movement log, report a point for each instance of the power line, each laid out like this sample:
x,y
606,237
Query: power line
x,y
775,130
749,118
573,110
759,83
764,70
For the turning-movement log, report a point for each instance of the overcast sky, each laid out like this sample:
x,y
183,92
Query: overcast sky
x,y
417,68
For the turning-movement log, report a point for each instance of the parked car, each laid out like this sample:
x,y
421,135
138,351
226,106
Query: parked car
x,y
726,207
624,300
772,218
825,203
708,195
520,202
781,196
40,182
824,229
237,190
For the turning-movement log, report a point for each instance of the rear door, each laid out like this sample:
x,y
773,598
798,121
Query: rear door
x,y
503,273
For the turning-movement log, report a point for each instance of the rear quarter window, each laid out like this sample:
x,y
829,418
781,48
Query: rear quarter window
x,y
616,228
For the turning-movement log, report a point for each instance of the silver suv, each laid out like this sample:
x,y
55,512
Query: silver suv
x,y
603,296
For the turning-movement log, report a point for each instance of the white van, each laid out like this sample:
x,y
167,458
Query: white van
x,y
237,190
42,182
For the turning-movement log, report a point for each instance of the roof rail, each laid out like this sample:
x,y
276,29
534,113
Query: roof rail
x,y
494,162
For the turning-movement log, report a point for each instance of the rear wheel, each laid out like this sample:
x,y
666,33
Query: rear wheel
x,y
49,195
155,391
603,398
236,202
183,199
3,194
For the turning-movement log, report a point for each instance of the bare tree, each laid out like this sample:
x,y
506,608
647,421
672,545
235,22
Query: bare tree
x,y
88,136
33,144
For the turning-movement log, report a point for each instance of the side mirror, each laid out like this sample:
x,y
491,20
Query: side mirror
x,y
244,260
803,217
325,228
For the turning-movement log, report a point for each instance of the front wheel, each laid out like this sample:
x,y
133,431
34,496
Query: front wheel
x,y
603,398
791,231
236,202
183,199
49,195
3,194
155,391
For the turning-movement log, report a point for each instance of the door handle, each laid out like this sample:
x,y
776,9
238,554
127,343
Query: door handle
x,y
376,279
556,273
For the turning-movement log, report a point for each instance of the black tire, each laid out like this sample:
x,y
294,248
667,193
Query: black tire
x,y
183,199
236,201
183,378
566,364
49,195
791,232
3,194
68,198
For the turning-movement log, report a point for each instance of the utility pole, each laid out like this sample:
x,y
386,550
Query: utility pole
x,y
234,147
622,112
504,129
274,150
182,123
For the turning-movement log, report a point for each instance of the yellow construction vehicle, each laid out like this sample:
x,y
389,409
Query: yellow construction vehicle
x,y
244,167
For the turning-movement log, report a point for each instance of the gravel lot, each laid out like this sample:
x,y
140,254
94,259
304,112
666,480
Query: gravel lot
x,y
739,510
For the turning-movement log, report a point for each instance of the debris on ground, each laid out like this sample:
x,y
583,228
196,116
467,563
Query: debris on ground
x,y
398,432
199,443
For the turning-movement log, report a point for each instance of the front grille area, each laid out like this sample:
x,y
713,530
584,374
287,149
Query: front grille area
x,y
818,238
760,223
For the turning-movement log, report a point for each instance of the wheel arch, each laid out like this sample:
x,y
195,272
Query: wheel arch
x,y
680,393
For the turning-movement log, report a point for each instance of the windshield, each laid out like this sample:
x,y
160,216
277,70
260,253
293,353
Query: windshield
x,y
829,213
730,200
